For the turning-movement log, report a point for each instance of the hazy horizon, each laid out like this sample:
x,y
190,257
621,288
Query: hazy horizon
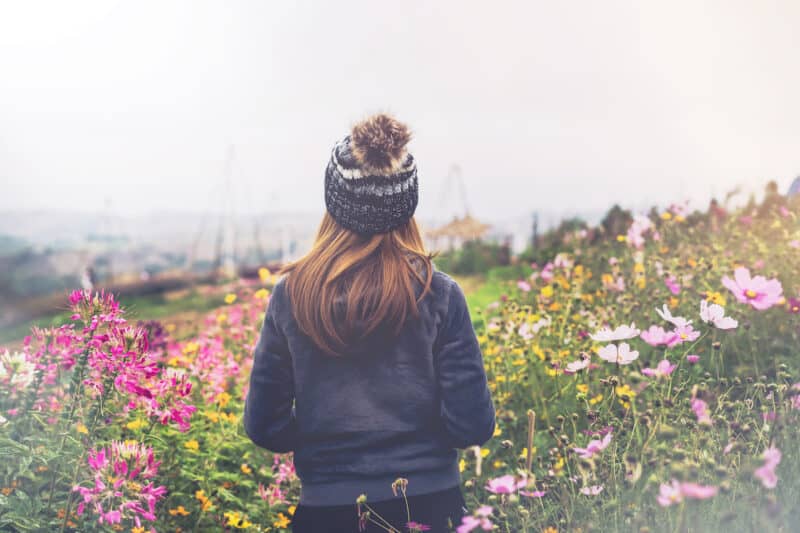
x,y
132,107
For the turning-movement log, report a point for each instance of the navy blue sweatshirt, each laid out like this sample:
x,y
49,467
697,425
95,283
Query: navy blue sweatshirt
x,y
357,423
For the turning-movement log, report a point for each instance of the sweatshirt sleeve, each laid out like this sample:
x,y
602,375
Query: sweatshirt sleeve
x,y
467,412
269,417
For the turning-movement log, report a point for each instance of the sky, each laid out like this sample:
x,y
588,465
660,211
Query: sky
x,y
134,106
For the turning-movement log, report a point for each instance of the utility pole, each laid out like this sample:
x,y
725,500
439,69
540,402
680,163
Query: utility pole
x,y
535,232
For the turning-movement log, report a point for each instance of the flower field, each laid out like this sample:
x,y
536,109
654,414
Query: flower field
x,y
646,381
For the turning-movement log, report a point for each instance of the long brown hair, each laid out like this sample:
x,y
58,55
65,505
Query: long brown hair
x,y
351,286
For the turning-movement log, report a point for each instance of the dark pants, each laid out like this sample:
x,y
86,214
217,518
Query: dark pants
x,y
437,510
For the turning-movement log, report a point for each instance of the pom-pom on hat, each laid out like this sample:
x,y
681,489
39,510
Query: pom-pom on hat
x,y
371,180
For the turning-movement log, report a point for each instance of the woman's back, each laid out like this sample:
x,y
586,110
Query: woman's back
x,y
367,366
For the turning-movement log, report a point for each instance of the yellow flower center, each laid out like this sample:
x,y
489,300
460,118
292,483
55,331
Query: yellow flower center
x,y
750,293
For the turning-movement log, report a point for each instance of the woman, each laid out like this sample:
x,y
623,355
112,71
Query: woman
x,y
367,367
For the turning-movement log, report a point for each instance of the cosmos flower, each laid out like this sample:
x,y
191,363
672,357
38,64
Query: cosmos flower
x,y
657,336
675,492
766,472
594,447
758,292
480,518
594,490
663,369
677,321
505,484
692,358
578,365
672,284
622,355
715,314
700,409
621,333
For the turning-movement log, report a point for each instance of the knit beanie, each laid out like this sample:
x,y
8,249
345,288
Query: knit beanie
x,y
371,179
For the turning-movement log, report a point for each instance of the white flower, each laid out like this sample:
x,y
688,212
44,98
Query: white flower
x,y
15,365
3,421
622,355
715,314
677,321
619,334
594,490
580,364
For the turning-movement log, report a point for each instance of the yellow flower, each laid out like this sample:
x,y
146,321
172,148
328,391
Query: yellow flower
x,y
715,298
264,274
555,306
179,511
462,465
82,428
213,416
498,464
246,469
582,387
291,510
538,352
524,453
666,215
625,393
133,425
497,431
222,318
230,298
192,445
485,452
137,529
673,302
549,529
229,417
596,399
190,348
223,399
621,238
282,522
638,268
691,262
170,328
547,291
262,294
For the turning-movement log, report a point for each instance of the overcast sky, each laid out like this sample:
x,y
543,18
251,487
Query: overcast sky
x,y
557,105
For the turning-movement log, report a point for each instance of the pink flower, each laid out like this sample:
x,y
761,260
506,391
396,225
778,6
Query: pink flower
x,y
673,285
669,494
766,473
505,484
621,333
594,490
684,334
663,369
594,447
675,492
621,356
479,519
794,243
692,358
700,409
715,314
758,291
656,336
524,286
416,526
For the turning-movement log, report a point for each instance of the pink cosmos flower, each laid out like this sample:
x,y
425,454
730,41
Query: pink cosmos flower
x,y
594,490
594,447
684,334
794,243
416,526
663,369
694,491
669,493
675,492
700,409
621,333
758,291
524,286
715,314
766,472
657,336
672,284
479,519
505,484
692,358
621,356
